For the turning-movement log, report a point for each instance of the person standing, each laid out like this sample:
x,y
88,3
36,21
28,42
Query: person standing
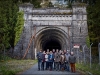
x,y
62,61
43,60
39,58
48,50
47,60
60,52
51,57
65,51
72,61
67,65
56,59
53,51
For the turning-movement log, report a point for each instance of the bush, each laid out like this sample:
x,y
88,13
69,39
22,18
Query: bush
x,y
4,58
8,72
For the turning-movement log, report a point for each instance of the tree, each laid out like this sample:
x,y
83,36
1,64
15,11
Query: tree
x,y
8,10
45,4
50,4
19,26
93,22
36,3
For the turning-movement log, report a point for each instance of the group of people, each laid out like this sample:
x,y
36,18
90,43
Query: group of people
x,y
56,60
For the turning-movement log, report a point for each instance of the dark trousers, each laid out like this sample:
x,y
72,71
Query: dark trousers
x,y
39,65
43,63
67,66
54,65
57,65
50,65
62,66
72,65
47,65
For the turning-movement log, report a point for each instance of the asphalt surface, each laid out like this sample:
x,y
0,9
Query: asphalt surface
x,y
34,71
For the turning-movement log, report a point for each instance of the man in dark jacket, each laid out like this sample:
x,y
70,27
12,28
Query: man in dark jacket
x,y
67,65
39,58
51,57
57,59
72,61
53,51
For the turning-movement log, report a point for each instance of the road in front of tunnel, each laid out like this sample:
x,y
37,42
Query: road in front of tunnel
x,y
34,71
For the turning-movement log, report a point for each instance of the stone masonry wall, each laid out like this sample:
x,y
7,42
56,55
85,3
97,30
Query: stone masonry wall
x,y
75,19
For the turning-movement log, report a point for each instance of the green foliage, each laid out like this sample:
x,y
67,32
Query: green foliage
x,y
4,57
36,3
88,41
69,5
45,4
95,69
7,72
94,22
7,22
50,4
81,4
12,67
19,26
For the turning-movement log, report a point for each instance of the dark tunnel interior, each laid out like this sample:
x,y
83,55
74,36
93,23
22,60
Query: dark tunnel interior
x,y
51,44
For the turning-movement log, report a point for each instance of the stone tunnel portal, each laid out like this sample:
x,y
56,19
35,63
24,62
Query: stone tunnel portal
x,y
51,38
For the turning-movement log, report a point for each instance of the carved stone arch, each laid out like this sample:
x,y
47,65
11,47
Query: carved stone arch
x,y
54,34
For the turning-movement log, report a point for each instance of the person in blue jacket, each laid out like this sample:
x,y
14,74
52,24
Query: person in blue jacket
x,y
51,57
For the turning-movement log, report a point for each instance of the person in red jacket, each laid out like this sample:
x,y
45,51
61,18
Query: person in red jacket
x,y
43,59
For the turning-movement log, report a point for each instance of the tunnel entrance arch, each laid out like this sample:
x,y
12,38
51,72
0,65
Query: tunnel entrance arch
x,y
52,38
63,27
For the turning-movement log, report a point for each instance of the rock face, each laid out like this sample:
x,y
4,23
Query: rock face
x,y
51,28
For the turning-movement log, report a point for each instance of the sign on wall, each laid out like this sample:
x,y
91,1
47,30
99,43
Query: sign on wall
x,y
76,46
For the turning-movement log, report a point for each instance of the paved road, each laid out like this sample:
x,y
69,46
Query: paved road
x,y
34,71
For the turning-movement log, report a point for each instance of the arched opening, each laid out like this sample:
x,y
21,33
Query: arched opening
x,y
51,38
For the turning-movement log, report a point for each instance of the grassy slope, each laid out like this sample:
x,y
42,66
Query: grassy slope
x,y
86,70
12,67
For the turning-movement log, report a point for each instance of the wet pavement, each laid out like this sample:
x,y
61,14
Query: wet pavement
x,y
34,71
